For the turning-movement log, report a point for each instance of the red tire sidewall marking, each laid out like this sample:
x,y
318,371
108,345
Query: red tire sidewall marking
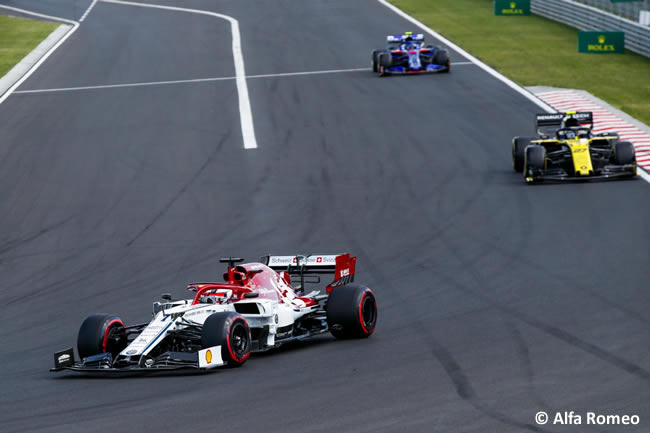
x,y
363,325
232,352
108,328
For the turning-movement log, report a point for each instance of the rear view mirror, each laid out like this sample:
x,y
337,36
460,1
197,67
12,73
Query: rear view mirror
x,y
166,296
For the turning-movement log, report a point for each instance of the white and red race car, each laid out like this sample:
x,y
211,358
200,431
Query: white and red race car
x,y
259,306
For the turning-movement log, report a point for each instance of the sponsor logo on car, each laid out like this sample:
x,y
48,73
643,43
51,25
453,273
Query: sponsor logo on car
x,y
64,358
309,261
549,117
208,356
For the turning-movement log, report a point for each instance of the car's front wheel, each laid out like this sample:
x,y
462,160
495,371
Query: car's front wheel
x,y
101,333
624,153
534,162
441,57
230,331
519,145
375,60
385,62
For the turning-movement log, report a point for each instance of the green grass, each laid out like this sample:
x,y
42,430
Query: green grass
x,y
535,51
18,37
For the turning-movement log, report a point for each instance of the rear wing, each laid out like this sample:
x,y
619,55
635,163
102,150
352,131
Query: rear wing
x,y
400,38
547,121
341,265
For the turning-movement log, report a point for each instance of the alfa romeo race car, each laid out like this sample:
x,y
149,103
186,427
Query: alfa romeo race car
x,y
408,54
259,306
566,149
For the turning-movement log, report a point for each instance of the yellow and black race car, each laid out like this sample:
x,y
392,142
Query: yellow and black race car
x,y
566,149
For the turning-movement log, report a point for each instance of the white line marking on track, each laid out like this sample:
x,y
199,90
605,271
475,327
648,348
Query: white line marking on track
x,y
295,74
245,112
85,14
514,86
198,80
75,26
117,86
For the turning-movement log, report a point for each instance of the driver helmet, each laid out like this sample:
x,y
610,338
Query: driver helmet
x,y
571,123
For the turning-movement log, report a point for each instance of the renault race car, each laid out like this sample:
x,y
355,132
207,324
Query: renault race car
x,y
259,306
408,54
566,149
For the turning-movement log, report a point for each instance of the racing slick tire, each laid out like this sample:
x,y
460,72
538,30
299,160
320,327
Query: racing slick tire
x,y
385,61
518,152
351,311
230,331
441,57
101,333
534,159
375,60
624,153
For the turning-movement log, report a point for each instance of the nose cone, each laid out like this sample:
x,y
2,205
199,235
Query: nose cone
x,y
582,159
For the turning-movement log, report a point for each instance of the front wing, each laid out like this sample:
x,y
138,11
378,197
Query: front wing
x,y
607,173
202,360
404,70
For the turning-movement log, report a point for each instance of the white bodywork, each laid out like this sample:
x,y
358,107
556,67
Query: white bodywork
x,y
175,315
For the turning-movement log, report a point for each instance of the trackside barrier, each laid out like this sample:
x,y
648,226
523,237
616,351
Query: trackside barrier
x,y
629,9
583,17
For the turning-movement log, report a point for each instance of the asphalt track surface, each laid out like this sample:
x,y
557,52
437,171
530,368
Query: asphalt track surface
x,y
497,299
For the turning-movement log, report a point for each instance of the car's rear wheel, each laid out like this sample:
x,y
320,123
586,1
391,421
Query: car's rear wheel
x,y
230,331
101,333
351,311
624,153
518,152
534,162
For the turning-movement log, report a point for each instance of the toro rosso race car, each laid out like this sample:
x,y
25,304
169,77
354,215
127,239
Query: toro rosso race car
x,y
566,149
408,54
259,306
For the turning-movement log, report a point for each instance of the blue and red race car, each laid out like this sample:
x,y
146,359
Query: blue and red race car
x,y
408,54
